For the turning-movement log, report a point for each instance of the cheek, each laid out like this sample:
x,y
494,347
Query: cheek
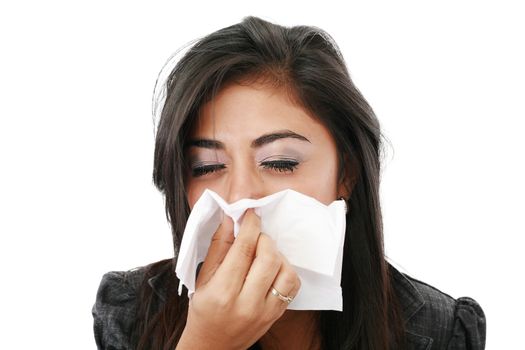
x,y
194,191
196,187
317,180
323,181
322,187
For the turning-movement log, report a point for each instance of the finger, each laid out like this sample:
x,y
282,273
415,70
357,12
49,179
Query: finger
x,y
221,242
287,283
263,271
278,310
239,258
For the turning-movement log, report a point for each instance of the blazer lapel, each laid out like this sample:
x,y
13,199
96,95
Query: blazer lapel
x,y
411,302
158,287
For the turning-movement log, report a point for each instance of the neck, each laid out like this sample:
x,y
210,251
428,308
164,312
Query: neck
x,y
294,330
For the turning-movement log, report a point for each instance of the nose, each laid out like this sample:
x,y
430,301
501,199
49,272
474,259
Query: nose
x,y
244,183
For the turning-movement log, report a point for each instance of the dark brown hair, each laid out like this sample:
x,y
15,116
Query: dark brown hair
x,y
308,62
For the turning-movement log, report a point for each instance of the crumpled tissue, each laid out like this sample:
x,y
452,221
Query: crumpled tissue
x,y
307,232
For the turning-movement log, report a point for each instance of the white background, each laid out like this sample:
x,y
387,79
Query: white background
x,y
446,80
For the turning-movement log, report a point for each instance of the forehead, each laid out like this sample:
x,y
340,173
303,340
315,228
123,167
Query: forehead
x,y
244,112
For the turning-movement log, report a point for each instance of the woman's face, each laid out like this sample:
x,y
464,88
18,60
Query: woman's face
x,y
252,141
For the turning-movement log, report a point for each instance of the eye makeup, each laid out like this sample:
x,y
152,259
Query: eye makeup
x,y
201,168
284,156
203,161
280,163
280,157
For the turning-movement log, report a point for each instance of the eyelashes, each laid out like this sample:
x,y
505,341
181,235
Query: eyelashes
x,y
202,170
282,165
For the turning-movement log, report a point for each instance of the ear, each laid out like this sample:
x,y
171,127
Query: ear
x,y
349,177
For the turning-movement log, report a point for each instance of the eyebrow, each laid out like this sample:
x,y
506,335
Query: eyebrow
x,y
205,143
276,135
258,142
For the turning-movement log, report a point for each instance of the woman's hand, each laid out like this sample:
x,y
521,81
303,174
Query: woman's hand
x,y
233,306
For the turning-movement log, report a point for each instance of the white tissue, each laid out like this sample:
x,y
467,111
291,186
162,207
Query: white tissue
x,y
308,233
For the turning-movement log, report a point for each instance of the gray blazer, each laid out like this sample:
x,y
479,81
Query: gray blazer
x,y
434,320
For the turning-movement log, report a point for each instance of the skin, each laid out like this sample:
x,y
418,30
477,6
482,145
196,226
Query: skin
x,y
249,142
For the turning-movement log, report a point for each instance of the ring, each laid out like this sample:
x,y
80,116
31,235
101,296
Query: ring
x,y
285,298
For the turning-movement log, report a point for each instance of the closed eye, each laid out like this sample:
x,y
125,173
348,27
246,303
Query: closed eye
x,y
281,165
205,169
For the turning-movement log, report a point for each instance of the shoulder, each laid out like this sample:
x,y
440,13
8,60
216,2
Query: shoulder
x,y
115,307
118,303
435,320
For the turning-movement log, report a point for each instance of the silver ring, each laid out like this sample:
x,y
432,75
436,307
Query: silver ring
x,y
285,298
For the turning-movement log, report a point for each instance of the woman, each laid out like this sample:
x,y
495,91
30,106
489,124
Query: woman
x,y
250,110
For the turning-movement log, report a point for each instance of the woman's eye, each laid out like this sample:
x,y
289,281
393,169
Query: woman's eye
x,y
281,165
206,169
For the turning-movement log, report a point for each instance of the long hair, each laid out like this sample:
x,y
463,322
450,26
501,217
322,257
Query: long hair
x,y
308,63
